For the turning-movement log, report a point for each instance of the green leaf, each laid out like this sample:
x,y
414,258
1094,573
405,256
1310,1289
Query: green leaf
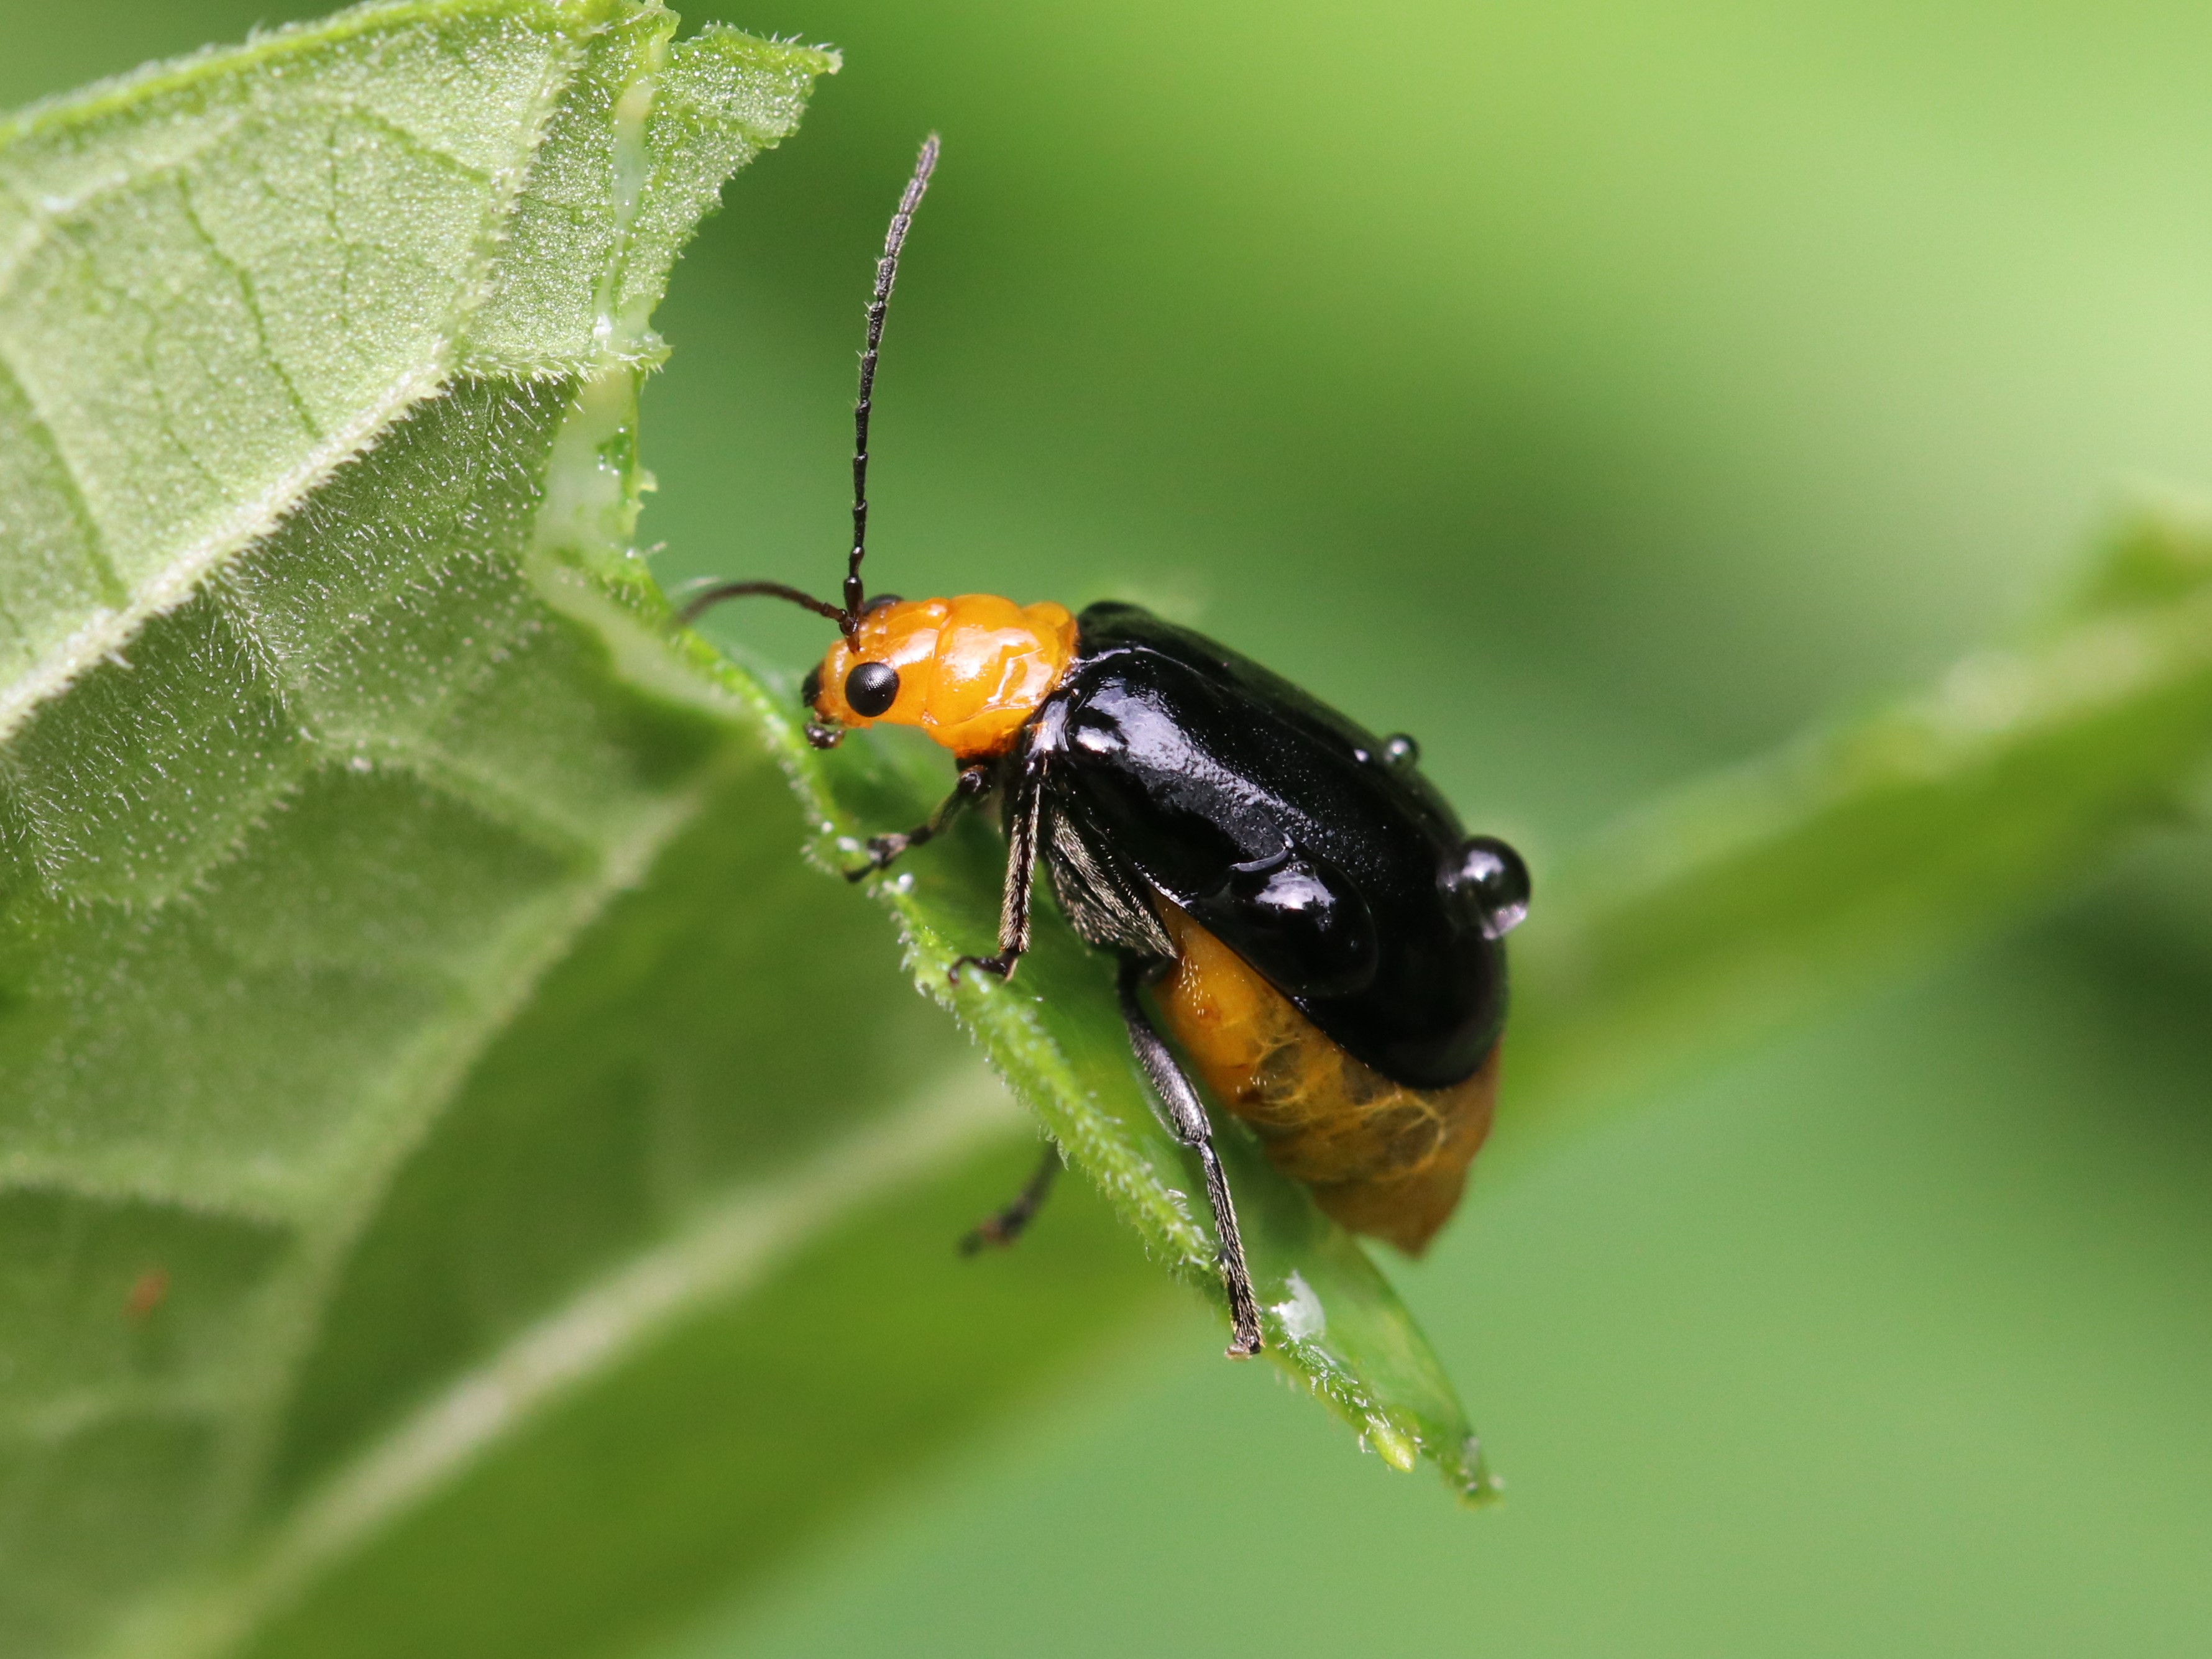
x,y
332,735
428,1061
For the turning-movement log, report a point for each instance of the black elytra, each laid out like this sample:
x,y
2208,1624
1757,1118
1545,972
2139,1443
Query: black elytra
x,y
1176,768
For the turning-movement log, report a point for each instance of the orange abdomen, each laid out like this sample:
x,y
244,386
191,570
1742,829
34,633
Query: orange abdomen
x,y
1381,1158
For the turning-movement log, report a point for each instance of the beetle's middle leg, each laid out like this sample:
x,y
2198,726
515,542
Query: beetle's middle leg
x,y
883,850
1024,823
1186,1117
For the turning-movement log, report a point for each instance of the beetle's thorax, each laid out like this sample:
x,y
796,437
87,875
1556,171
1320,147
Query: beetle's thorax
x,y
971,671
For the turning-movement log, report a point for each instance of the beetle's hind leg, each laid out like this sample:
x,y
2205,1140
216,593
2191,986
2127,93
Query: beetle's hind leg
x,y
1186,1117
1010,1223
884,850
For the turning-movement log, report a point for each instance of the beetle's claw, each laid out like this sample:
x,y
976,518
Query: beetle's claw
x,y
1000,966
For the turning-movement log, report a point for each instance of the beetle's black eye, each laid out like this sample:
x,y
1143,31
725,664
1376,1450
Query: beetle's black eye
x,y
878,601
871,689
1401,751
1491,874
810,688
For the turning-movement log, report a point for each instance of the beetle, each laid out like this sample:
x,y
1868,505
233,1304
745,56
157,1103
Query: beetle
x,y
1318,934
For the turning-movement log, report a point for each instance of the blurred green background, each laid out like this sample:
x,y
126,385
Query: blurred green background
x,y
1601,392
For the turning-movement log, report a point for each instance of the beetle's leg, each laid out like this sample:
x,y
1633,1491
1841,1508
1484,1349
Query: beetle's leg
x,y
1010,1223
974,784
1186,1117
1022,829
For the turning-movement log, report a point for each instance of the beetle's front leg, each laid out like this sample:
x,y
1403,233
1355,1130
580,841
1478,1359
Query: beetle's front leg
x,y
974,784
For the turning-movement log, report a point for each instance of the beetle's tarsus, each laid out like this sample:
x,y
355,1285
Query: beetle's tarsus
x,y
883,851
1001,968
999,1231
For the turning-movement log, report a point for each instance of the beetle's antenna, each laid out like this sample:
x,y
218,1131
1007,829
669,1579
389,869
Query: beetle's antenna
x,y
708,598
886,274
847,616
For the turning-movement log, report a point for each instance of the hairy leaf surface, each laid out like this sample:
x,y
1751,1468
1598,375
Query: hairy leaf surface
x,y
318,371
428,1061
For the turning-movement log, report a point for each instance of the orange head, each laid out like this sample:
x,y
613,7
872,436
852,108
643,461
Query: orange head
x,y
969,672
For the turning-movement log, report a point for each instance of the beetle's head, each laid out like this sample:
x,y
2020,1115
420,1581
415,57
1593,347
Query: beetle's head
x,y
968,672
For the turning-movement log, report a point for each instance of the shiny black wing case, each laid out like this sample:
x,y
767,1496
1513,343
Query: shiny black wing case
x,y
1179,768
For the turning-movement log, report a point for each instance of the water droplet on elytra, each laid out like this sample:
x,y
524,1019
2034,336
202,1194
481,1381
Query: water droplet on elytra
x,y
1491,874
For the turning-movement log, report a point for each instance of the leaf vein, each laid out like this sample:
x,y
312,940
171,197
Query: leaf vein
x,y
725,1252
